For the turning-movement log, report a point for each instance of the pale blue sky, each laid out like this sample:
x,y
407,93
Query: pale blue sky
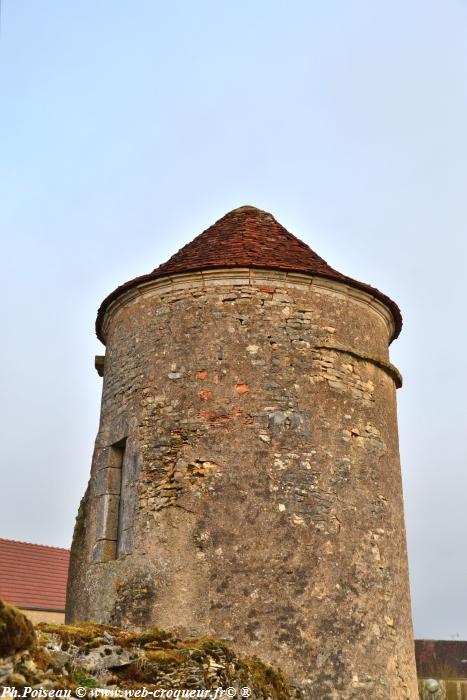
x,y
127,128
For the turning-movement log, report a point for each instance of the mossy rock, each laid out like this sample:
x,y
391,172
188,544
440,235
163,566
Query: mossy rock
x,y
210,645
16,631
81,634
268,679
154,636
161,660
163,657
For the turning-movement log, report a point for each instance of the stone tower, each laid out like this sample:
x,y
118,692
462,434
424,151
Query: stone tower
x,y
246,482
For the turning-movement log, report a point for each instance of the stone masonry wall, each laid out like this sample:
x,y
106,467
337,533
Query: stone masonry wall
x,y
259,495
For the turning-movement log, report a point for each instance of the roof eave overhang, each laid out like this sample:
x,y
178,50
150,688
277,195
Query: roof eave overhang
x,y
238,275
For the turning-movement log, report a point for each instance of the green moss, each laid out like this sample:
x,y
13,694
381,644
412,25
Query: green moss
x,y
268,680
163,657
83,680
40,655
141,671
160,652
16,631
209,645
80,634
154,635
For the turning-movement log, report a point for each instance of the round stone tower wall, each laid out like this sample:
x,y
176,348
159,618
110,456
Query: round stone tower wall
x,y
246,479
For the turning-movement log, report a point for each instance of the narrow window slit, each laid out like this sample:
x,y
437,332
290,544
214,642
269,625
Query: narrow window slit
x,y
111,489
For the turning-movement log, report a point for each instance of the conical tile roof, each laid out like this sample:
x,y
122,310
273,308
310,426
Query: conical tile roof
x,y
248,237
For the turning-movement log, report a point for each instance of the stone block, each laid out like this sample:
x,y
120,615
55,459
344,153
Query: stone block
x,y
104,550
116,455
118,430
101,458
131,467
125,542
107,481
107,508
127,507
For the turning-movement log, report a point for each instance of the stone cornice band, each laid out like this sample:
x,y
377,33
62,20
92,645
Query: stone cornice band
x,y
241,277
387,367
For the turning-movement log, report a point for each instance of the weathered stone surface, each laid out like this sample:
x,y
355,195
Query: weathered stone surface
x,y
108,509
127,507
268,500
108,481
125,542
103,657
58,659
104,550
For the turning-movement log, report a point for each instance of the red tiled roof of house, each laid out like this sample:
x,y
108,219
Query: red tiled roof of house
x,y
247,237
33,576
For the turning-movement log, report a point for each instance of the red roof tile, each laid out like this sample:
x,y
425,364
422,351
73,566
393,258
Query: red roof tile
x,y
33,576
247,237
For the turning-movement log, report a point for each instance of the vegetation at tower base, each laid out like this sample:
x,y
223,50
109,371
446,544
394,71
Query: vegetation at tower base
x,y
16,631
99,656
